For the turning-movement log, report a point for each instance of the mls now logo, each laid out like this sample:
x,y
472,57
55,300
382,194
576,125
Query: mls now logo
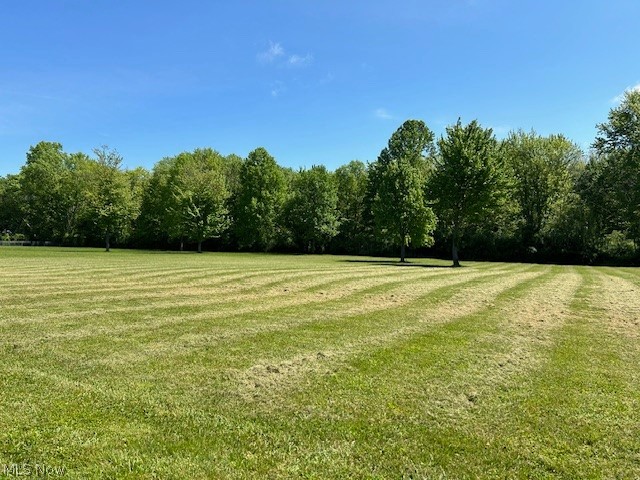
x,y
32,470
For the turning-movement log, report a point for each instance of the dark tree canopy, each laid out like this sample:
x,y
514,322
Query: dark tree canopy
x,y
11,212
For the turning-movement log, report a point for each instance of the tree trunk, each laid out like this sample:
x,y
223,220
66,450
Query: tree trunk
x,y
106,242
199,246
402,252
454,252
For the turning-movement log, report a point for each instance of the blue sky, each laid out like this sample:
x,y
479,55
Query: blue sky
x,y
314,82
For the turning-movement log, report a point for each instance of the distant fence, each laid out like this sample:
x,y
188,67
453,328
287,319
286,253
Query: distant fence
x,y
24,243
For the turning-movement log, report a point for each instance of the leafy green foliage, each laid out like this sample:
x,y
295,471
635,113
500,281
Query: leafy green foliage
x,y
154,222
541,167
351,182
621,133
311,211
528,197
198,209
260,202
618,143
111,205
41,184
469,183
11,215
54,186
397,188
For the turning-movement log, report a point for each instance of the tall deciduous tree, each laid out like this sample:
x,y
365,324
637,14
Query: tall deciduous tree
x,y
53,184
397,187
311,211
260,201
618,141
154,223
11,200
73,187
111,206
41,180
469,182
597,187
233,178
199,194
541,169
351,182
139,180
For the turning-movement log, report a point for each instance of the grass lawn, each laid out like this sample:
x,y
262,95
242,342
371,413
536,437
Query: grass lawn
x,y
166,365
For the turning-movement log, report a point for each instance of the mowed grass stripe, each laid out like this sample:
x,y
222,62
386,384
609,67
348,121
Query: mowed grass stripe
x,y
314,324
546,422
60,263
566,420
277,433
416,399
630,273
194,350
618,303
117,288
171,285
417,419
492,371
113,343
112,283
116,281
145,341
483,300
116,404
49,271
172,291
205,305
226,309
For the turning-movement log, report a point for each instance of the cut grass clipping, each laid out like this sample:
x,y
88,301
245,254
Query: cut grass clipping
x,y
166,365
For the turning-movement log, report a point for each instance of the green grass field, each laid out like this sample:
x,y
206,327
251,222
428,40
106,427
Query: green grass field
x,y
166,365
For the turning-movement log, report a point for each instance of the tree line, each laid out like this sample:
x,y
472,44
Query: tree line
x,y
526,197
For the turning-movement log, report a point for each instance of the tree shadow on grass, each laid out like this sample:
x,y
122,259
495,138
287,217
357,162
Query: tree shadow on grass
x,y
391,263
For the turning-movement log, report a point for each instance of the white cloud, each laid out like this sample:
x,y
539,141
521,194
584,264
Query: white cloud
x,y
618,98
274,51
277,54
296,60
382,114
277,89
